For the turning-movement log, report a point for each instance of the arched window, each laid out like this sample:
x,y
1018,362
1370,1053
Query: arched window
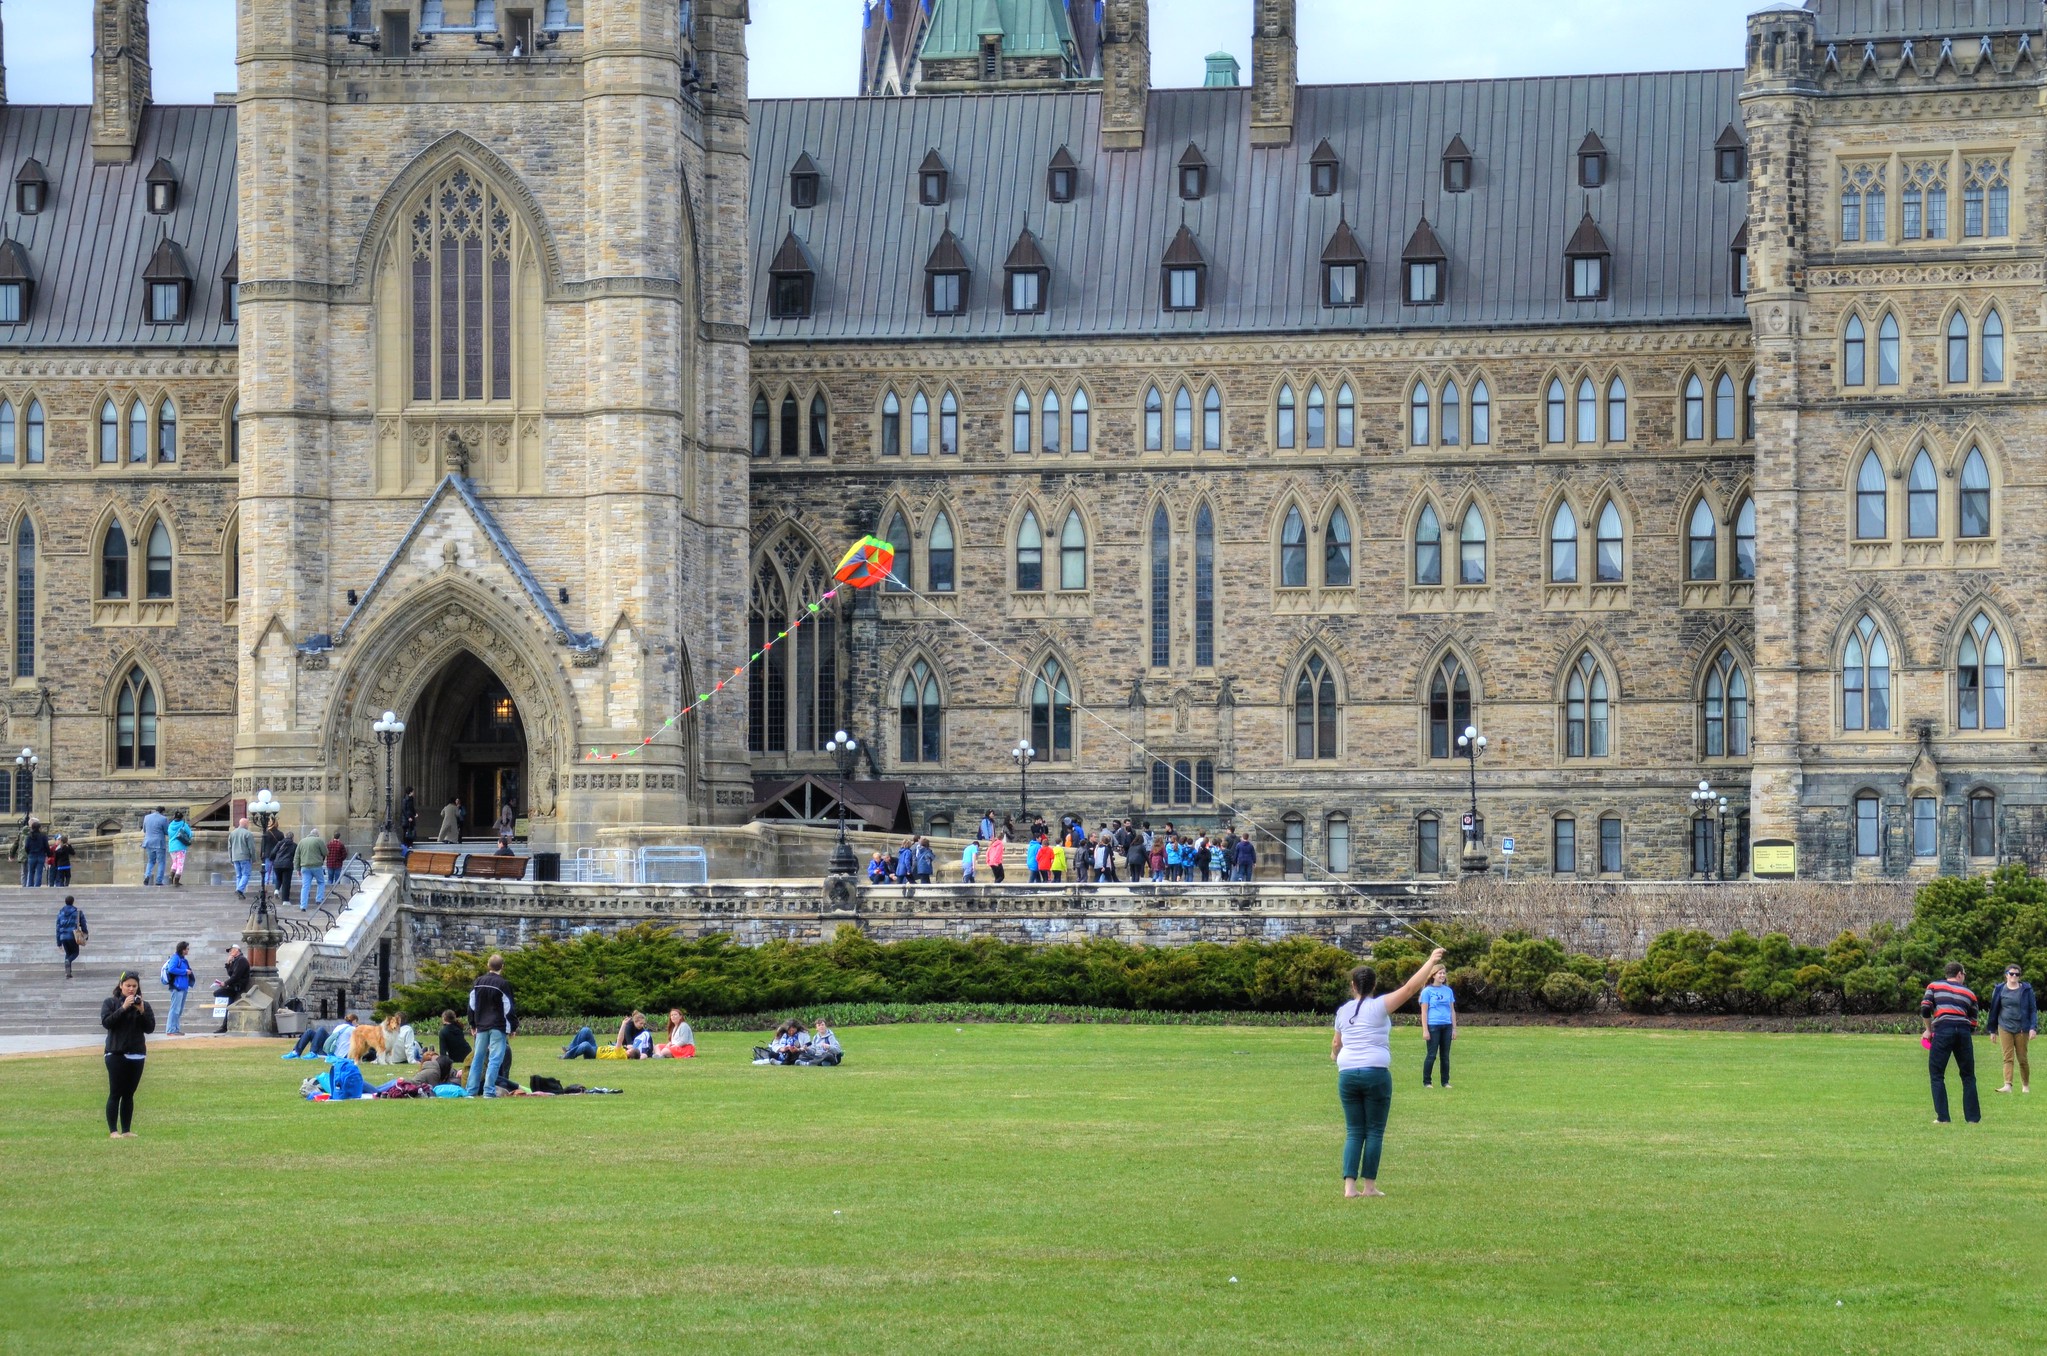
x,y
1585,709
1318,418
1853,362
920,722
461,305
1702,535
1481,415
1612,562
1030,554
760,428
1294,840
1726,708
1052,713
110,434
820,426
1048,421
948,425
1695,410
1449,706
114,563
1336,831
1563,854
1428,548
1723,408
1428,845
1563,546
1283,424
1979,677
1745,539
1315,710
1471,556
767,696
231,563
904,570
1922,498
1993,346
939,563
138,432
1957,348
1183,421
1418,416
920,426
167,431
1293,551
791,425
156,576
234,433
1588,411
1748,411
1153,416
1081,440
1336,550
1020,423
1161,588
6,432
1982,824
1975,497
135,723
1183,782
1554,414
793,691
891,426
1868,825
1346,416
25,599
1204,587
1866,679
1616,411
1871,519
1212,420
1073,552
1887,351
1452,420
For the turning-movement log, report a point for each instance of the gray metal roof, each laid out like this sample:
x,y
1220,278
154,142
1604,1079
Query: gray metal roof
x,y
1862,20
88,247
1261,230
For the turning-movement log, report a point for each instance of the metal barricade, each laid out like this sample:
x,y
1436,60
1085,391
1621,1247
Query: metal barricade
x,y
601,866
673,866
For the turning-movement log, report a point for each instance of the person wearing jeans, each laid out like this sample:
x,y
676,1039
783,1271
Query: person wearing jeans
x,y
156,855
179,968
1949,1011
241,851
1362,1047
1439,1019
584,1046
491,1013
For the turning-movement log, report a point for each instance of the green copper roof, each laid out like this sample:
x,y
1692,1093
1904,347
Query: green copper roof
x,y
1027,28
1222,71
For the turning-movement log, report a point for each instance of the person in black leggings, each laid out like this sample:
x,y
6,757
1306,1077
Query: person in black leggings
x,y
128,1019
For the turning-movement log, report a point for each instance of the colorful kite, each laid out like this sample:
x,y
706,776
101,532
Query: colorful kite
x,y
867,564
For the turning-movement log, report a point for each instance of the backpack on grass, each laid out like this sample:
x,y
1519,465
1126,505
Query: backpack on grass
x,y
346,1081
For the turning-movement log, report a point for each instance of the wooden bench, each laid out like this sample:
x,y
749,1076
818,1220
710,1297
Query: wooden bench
x,y
421,863
487,866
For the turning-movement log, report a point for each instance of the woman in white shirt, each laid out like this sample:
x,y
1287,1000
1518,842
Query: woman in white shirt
x,y
1362,1049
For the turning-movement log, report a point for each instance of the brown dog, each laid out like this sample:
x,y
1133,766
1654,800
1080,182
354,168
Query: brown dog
x,y
364,1040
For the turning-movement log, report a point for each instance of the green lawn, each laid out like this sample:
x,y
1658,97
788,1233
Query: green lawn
x,y
1038,1189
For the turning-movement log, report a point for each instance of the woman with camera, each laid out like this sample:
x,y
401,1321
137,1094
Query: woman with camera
x,y
128,1018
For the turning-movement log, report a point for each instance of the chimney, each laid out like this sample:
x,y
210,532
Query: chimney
x,y
120,78
1126,73
1274,64
3,61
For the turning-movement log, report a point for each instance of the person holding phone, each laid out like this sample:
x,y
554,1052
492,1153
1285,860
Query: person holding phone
x,y
128,1020
1362,1047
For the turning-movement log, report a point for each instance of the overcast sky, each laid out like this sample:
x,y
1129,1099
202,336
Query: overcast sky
x,y
809,47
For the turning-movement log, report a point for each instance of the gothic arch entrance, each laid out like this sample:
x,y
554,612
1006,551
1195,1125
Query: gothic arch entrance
x,y
467,739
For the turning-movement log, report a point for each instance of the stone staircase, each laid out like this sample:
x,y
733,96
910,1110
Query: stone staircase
x,y
132,928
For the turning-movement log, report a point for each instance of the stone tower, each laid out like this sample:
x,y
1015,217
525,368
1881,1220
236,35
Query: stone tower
x,y
120,77
1273,73
1126,73
494,285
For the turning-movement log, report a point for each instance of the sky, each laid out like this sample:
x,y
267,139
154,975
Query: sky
x,y
811,47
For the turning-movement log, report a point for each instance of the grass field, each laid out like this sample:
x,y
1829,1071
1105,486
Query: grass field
x,y
1038,1189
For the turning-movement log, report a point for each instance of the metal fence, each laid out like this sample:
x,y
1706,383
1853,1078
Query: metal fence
x,y
641,866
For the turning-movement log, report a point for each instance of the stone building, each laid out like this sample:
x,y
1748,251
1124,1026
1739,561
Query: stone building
x,y
1242,445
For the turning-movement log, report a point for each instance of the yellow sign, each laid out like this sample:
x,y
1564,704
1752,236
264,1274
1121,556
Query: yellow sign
x,y
1778,860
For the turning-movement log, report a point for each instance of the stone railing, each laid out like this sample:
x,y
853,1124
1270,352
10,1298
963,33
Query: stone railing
x,y
333,968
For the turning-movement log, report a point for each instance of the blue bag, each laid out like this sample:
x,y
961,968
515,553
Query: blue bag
x,y
345,1080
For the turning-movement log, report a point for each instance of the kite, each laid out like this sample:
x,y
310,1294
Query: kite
x,y
867,563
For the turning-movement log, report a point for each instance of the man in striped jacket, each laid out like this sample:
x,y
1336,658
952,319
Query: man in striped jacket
x,y
1949,1012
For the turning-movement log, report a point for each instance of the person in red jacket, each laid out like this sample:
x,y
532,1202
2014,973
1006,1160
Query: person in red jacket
x,y
337,853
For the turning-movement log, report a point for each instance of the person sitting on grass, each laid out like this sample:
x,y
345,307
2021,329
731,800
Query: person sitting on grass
x,y
682,1042
584,1046
453,1041
634,1037
435,1069
341,1037
823,1048
401,1043
788,1043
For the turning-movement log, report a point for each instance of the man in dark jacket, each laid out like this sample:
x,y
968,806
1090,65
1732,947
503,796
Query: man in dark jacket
x,y
1246,858
2014,1014
1949,1011
408,819
237,982
492,1015
71,928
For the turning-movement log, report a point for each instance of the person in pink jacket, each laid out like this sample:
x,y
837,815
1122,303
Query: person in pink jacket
x,y
995,857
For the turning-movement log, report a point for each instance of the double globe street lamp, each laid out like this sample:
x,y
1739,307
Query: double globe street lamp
x,y
845,752
266,809
389,730
1712,808
1023,753
26,762
1471,744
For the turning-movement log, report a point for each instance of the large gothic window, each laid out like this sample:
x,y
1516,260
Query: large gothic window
x,y
135,723
25,599
793,691
1563,546
1204,587
1315,710
1052,713
1866,679
1449,706
919,717
1161,588
461,292
1293,551
1585,709
1979,677
1336,550
1725,708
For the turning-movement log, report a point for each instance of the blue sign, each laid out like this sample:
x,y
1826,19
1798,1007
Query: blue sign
x,y
1507,846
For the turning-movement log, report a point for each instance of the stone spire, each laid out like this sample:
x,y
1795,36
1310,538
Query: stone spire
x,y
1274,73
1126,73
120,77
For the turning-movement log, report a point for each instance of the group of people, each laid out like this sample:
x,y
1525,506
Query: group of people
x,y
1111,852
1951,1015
166,839
317,858
791,1044
45,857
636,1040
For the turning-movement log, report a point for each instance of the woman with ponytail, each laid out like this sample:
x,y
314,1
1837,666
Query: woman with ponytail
x,y
1362,1049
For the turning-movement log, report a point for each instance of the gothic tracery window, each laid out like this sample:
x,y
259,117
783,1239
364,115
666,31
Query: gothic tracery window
x,y
461,291
793,691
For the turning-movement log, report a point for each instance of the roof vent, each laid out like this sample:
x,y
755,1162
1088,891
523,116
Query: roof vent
x,y
1062,176
933,180
1457,166
1591,161
1193,170
162,188
1323,168
31,188
803,181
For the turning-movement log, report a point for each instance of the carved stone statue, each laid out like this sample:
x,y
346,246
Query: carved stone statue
x,y
455,461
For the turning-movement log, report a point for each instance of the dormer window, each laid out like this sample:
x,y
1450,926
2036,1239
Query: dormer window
x,y
1026,276
1591,161
1457,166
1739,251
1587,261
945,277
1193,173
1730,157
16,287
803,182
31,188
792,280
1343,268
1062,177
162,187
1184,283
1426,267
231,290
932,181
166,285
1322,170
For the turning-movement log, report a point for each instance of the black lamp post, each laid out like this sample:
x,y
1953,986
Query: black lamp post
x,y
26,761
1713,809
389,730
845,751
266,809
1024,754
1471,744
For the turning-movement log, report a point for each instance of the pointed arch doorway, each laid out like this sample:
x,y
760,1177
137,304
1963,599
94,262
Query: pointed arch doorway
x,y
471,744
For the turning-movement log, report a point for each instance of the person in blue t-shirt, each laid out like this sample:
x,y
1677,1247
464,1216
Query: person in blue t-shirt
x,y
1439,1016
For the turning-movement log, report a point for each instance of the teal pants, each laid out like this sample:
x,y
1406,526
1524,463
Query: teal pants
x,y
1367,1095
